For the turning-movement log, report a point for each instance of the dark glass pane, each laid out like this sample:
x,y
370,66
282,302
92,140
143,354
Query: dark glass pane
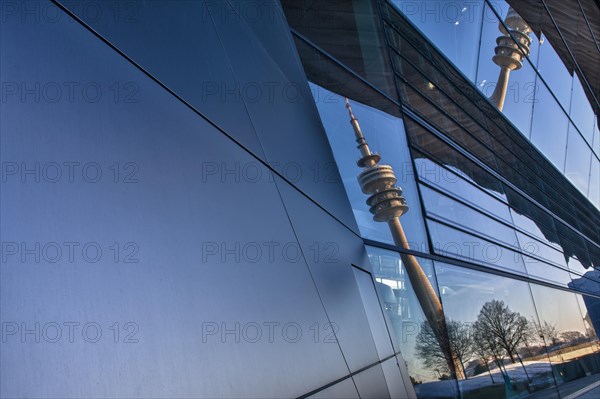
x,y
459,186
361,47
442,153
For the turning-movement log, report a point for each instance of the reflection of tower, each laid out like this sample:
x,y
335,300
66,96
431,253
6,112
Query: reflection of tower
x,y
387,205
509,55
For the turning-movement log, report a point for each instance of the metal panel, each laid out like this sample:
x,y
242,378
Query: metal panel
x,y
186,56
330,251
213,57
342,390
178,262
396,385
406,377
371,383
374,313
287,124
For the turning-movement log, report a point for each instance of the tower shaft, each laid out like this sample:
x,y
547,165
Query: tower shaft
x,y
387,204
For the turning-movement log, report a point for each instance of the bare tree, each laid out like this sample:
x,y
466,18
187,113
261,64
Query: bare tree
x,y
531,338
429,350
482,351
461,342
509,329
548,332
459,346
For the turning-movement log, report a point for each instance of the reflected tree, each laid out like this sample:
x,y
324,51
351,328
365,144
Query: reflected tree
x,y
460,346
429,350
486,347
502,327
547,331
482,351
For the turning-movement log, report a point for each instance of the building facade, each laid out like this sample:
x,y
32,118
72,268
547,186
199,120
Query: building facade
x,y
181,215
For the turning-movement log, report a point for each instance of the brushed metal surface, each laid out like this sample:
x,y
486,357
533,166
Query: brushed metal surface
x,y
230,61
170,288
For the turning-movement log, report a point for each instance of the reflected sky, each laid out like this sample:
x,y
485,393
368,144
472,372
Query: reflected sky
x,y
385,136
466,31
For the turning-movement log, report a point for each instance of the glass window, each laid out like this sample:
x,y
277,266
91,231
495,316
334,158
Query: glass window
x,y
443,207
581,111
554,72
501,8
426,366
445,155
596,145
459,185
540,270
577,163
385,135
562,330
520,94
494,313
549,127
453,26
594,189
589,282
534,248
448,241
576,267
546,233
590,309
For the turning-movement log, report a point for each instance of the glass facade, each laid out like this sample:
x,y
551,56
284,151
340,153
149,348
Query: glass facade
x,y
510,214
544,101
